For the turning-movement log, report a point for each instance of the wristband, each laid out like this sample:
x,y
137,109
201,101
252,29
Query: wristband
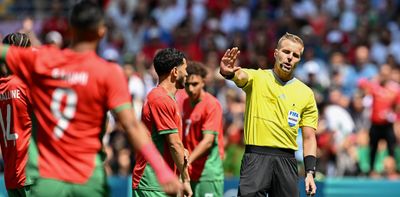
x,y
310,162
229,77
152,155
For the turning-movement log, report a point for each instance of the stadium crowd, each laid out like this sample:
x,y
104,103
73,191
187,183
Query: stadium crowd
x,y
348,44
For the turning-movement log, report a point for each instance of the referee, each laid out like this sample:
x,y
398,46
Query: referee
x,y
277,104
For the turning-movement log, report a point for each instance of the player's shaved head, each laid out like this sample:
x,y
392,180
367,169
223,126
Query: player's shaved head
x,y
86,18
86,15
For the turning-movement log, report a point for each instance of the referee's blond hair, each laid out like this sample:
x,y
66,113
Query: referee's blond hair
x,y
291,37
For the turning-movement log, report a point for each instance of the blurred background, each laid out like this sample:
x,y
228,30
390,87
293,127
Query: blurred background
x,y
346,41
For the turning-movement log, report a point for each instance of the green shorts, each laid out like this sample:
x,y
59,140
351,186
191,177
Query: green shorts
x,y
21,192
147,193
207,188
96,186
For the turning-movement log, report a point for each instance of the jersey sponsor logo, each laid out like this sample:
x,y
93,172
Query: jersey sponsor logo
x,y
11,94
293,118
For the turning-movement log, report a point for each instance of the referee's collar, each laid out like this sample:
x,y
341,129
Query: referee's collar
x,y
280,81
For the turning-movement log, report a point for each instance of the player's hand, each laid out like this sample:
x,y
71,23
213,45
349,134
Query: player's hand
x,y
311,188
186,156
227,65
187,189
172,187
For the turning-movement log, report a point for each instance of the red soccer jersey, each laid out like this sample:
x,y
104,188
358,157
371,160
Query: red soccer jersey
x,y
161,116
204,117
71,93
15,122
385,99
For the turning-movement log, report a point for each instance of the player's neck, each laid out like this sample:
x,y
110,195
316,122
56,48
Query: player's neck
x,y
197,99
169,86
83,46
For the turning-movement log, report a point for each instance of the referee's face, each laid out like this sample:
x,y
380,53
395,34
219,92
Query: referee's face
x,y
287,57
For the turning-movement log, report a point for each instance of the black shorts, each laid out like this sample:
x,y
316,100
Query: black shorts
x,y
269,171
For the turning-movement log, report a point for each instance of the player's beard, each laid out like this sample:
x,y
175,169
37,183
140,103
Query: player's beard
x,y
180,82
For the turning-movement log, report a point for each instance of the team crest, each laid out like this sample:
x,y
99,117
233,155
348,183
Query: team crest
x,y
293,118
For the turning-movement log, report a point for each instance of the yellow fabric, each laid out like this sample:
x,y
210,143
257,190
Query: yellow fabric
x,y
275,110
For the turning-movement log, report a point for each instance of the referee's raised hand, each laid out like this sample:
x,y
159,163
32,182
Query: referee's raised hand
x,y
227,65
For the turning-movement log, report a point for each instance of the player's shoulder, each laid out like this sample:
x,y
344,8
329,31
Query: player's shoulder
x,y
159,96
210,98
211,101
13,81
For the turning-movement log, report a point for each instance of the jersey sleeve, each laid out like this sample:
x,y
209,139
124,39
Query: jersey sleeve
x,y
164,116
20,61
117,93
309,117
251,73
213,119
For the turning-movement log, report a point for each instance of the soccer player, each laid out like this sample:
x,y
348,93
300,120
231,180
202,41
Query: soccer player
x,y
16,125
71,91
161,115
203,134
277,104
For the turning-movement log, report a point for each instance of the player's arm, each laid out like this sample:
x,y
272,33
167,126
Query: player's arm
x,y
141,141
204,145
211,125
310,152
177,150
230,71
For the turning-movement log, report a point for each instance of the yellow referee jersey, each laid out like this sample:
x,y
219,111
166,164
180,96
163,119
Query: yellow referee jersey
x,y
275,110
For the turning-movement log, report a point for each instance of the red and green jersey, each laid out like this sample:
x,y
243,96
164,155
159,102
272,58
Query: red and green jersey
x,y
198,119
71,93
15,128
161,116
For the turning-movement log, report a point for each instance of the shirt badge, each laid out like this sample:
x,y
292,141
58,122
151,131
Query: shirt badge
x,y
293,118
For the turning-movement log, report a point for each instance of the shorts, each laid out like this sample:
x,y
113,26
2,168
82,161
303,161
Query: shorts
x,y
96,186
148,193
207,188
269,171
21,192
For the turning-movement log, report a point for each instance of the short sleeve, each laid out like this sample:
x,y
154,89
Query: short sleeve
x,y
117,93
213,118
251,73
21,62
309,116
164,113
